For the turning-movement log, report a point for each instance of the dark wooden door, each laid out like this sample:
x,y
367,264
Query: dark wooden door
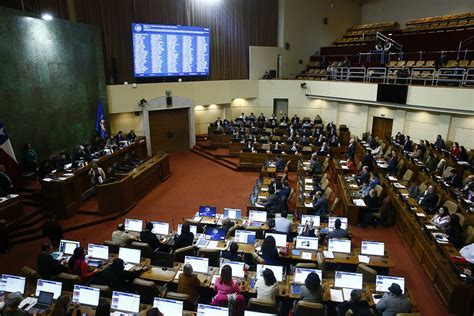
x,y
382,127
169,130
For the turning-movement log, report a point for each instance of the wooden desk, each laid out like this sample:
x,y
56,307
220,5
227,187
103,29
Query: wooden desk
x,y
11,208
159,274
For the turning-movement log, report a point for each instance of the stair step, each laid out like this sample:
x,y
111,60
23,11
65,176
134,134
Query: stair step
x,y
212,158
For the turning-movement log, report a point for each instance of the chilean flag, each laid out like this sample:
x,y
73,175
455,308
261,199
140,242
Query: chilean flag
x,y
7,155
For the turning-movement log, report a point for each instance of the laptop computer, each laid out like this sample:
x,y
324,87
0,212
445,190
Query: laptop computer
x,y
339,245
45,299
257,218
215,233
307,243
232,213
98,254
12,283
85,295
300,277
130,256
245,237
192,228
372,248
125,302
168,307
211,310
48,286
161,228
280,239
66,248
208,211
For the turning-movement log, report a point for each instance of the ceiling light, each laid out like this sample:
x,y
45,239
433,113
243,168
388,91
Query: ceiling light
x,y
46,16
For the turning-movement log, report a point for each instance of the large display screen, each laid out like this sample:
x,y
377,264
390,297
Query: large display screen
x,y
170,50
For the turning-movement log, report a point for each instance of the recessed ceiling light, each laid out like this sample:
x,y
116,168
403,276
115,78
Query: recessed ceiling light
x,y
46,16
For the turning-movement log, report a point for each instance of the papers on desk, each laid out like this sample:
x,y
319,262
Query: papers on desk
x,y
2,199
69,174
62,178
308,204
12,196
345,167
382,165
212,244
363,259
47,179
431,227
308,188
129,267
306,255
176,277
441,238
336,295
328,254
309,181
399,186
30,301
306,163
264,189
259,205
353,186
359,202
463,163
306,194
347,294
420,214
342,162
262,197
376,300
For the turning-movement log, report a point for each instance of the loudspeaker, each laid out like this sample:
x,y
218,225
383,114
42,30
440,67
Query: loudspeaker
x,y
169,101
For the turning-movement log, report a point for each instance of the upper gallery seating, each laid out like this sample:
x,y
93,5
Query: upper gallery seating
x,y
359,34
444,23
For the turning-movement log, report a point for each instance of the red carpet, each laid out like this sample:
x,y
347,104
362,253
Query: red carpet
x,y
198,181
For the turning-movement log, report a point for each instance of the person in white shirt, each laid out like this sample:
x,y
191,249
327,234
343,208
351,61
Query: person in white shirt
x,y
282,224
267,287
441,219
468,252
121,237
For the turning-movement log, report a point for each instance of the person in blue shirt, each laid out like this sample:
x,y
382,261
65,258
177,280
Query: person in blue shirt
x,y
280,164
269,252
365,189
392,163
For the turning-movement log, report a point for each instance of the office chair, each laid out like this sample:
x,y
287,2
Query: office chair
x,y
105,291
212,254
68,280
113,246
147,290
307,265
262,306
146,251
180,253
304,308
369,275
188,304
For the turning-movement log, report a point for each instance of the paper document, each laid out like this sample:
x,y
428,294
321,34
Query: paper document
x,y
363,259
308,204
308,180
399,186
336,295
328,254
306,255
308,187
376,300
345,167
47,179
12,196
359,202
212,244
431,227
420,215
347,294
128,266
262,197
62,178
259,205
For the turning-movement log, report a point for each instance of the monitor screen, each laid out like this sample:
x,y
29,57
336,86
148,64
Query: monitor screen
x,y
348,280
277,271
98,251
307,218
85,295
251,313
208,211
49,286
215,233
372,248
333,219
257,216
279,238
339,245
211,310
68,246
192,228
168,307
130,255
170,50
200,265
307,243
237,268
161,228
126,302
302,273
383,282
392,93
12,283
133,225
232,213
245,236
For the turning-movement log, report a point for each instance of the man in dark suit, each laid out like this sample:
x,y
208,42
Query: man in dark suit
x,y
428,199
364,176
454,179
284,194
47,266
119,138
272,204
185,239
351,149
368,160
439,143
392,163
280,164
407,144
147,236
6,184
320,204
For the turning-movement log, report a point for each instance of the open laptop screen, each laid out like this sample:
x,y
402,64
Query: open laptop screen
x,y
192,228
245,237
302,273
277,271
215,233
48,286
332,220
126,302
339,245
237,268
85,295
307,243
232,213
161,228
208,211
210,310
373,248
279,238
98,251
168,307
257,216
68,246
12,283
251,313
308,218
133,225
383,282
130,255
200,265
348,280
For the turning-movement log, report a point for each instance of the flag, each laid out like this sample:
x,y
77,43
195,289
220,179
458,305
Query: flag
x,y
100,121
7,155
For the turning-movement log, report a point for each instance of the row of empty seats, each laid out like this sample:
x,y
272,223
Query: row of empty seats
x,y
441,23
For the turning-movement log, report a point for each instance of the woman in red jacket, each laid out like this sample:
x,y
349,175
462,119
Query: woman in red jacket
x,y
455,150
78,265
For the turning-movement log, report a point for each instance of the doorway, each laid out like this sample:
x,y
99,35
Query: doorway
x,y
382,127
280,106
169,130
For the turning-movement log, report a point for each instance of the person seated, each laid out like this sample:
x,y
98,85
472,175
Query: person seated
x,y
12,302
417,153
272,204
147,236
355,304
372,142
368,159
462,154
428,199
185,239
280,164
412,188
308,229
393,162
455,150
407,144
269,251
454,179
225,285
110,143
373,203
318,119
119,138
304,141
439,142
393,302
442,218
77,265
188,283
252,117
295,119
155,311
324,150
80,153
233,253
320,205
338,232
294,147
282,224
61,307
46,265
351,149
350,163
227,224
431,162
116,277
334,141
121,237
97,174
131,136
454,231
261,121
363,176
6,184
373,182
267,287
312,290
